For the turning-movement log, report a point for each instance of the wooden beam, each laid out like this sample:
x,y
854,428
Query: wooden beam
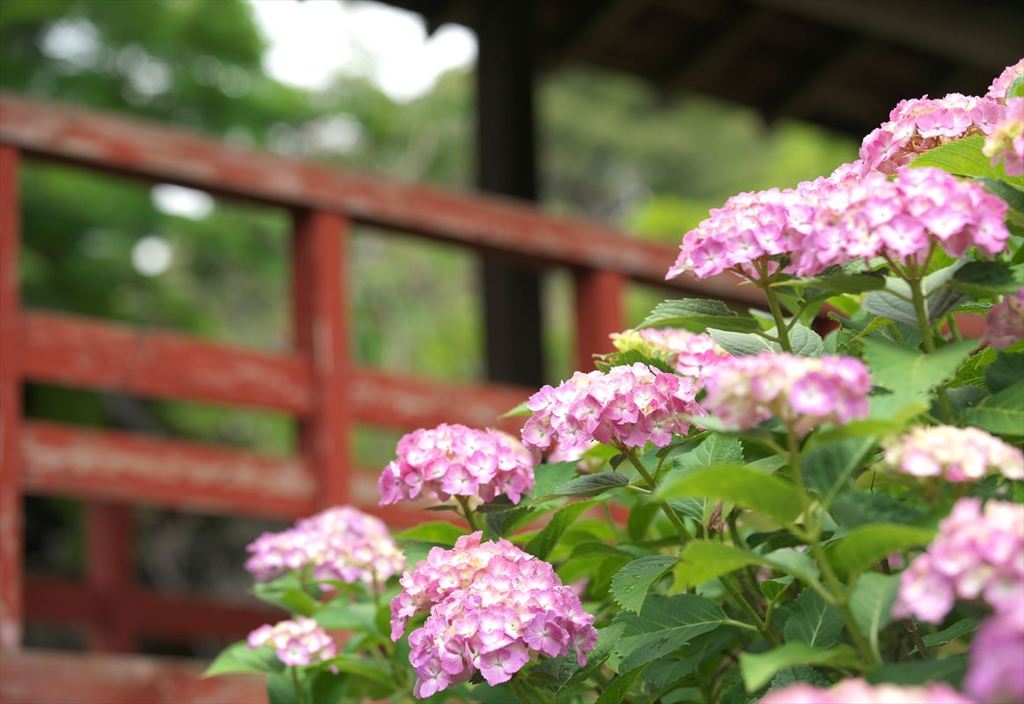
x,y
587,24
149,613
116,466
793,93
670,73
144,150
983,34
35,677
713,53
10,404
93,354
402,402
61,460
87,352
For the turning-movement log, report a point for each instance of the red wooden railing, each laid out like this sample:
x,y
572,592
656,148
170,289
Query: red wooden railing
x,y
316,383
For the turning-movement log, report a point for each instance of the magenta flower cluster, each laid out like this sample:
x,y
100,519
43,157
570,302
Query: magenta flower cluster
x,y
1005,321
857,691
341,543
1004,142
978,553
902,219
746,233
920,124
492,608
296,643
453,460
996,667
802,392
627,406
954,454
845,217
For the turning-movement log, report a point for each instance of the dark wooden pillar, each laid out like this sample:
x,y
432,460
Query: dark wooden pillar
x,y
506,163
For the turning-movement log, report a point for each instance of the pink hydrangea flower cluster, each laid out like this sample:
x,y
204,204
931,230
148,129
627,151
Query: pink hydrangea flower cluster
x,y
902,219
996,669
751,229
1001,85
802,392
979,552
453,460
955,454
1005,321
492,608
341,543
857,691
920,124
1005,141
628,406
296,643
847,216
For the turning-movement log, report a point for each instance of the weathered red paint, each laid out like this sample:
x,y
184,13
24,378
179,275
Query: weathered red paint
x,y
56,601
110,573
117,466
87,353
58,678
599,303
62,349
153,152
10,405
320,318
403,402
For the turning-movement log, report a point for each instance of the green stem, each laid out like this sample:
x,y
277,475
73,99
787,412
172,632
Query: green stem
x,y
915,637
684,534
781,328
841,597
796,463
759,625
921,311
927,339
537,692
739,624
300,694
375,587
517,689
954,329
837,591
748,580
468,513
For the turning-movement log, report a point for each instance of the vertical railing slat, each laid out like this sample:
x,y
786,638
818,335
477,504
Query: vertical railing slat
x,y
599,313
11,520
110,574
321,332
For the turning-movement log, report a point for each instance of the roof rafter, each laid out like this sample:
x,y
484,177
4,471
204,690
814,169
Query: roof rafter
x,y
980,33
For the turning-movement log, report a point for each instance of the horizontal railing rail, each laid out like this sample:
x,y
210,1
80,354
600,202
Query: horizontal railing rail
x,y
142,150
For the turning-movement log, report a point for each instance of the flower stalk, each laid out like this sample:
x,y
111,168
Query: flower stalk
x,y
681,529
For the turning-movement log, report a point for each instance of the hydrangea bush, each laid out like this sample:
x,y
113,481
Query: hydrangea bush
x,y
820,500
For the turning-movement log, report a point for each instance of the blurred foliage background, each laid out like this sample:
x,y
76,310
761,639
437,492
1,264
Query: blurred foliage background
x,y
611,149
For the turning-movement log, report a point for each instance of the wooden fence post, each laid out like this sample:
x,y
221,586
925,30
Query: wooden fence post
x,y
11,584
110,574
599,303
321,335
